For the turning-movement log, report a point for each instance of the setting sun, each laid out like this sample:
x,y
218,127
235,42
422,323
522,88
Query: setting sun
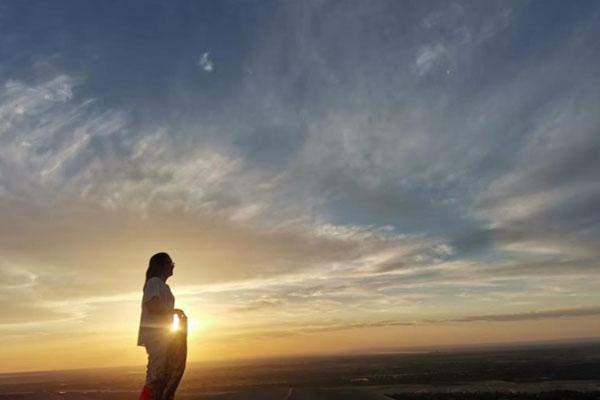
x,y
175,325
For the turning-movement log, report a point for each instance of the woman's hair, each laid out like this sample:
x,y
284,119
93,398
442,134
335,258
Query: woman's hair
x,y
156,265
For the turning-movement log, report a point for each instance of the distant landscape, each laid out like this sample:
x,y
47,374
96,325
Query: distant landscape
x,y
545,371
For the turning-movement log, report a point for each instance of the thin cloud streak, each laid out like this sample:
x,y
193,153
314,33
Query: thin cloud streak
x,y
315,329
564,313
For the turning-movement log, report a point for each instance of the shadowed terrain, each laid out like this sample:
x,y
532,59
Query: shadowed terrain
x,y
557,371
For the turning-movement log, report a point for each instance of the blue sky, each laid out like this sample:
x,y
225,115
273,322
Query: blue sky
x,y
414,160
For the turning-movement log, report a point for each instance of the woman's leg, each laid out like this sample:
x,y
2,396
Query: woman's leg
x,y
176,361
156,370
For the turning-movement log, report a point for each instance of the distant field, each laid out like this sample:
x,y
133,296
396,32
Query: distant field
x,y
549,395
547,372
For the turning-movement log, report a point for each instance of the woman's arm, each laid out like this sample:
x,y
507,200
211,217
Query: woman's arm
x,y
157,308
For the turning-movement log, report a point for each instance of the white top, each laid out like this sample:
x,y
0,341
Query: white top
x,y
153,326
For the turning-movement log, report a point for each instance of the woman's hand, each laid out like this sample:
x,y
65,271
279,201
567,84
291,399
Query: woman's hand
x,y
179,313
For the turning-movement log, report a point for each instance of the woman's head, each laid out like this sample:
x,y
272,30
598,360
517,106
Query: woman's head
x,y
160,265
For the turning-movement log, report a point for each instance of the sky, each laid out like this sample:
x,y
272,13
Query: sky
x,y
328,176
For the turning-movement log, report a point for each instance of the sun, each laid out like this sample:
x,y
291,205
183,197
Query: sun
x,y
193,325
176,324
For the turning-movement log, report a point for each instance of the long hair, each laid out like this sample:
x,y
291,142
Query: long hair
x,y
156,265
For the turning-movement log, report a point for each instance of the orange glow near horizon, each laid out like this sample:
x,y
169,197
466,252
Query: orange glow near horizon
x,y
116,347
88,318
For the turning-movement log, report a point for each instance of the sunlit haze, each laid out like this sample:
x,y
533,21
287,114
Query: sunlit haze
x,y
329,177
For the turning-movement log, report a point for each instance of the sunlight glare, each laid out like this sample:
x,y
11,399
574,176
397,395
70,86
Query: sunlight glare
x,y
175,324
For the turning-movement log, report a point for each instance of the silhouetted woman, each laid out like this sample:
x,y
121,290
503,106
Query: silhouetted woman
x,y
165,347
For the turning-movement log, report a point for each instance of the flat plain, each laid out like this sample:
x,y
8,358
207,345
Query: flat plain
x,y
547,372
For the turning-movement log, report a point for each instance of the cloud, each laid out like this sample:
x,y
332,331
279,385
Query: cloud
x,y
46,136
206,63
534,315
428,57
17,278
59,146
343,326
245,269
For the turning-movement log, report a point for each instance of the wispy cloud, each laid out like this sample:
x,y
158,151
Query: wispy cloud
x,y
206,63
428,57
344,326
564,313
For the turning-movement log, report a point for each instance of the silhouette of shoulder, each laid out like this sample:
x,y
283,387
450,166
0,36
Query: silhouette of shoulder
x,y
152,288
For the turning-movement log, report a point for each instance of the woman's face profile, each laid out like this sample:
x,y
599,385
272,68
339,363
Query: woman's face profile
x,y
169,267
